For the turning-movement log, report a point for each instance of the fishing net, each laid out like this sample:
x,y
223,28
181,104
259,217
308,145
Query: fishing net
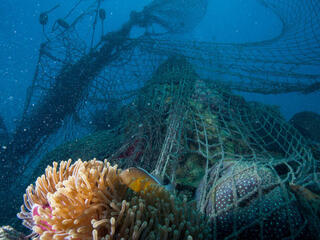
x,y
240,160
168,106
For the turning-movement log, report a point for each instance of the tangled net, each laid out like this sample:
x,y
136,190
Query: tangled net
x,y
168,106
241,161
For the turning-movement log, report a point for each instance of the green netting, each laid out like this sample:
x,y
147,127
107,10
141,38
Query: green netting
x,y
285,63
168,106
237,159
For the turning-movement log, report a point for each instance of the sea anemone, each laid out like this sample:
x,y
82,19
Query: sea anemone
x,y
89,200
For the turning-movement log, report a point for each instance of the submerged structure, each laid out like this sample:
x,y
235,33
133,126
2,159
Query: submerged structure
x,y
168,107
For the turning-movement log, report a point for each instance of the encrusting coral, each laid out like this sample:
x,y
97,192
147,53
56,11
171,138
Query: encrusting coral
x,y
89,200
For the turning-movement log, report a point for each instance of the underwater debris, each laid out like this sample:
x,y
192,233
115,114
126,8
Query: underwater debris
x,y
60,23
309,204
186,115
43,17
246,200
216,128
46,117
308,196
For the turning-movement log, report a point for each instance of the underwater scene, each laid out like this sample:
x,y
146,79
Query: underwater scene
x,y
160,119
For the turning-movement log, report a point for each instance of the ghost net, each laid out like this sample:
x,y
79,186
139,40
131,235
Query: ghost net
x,y
168,106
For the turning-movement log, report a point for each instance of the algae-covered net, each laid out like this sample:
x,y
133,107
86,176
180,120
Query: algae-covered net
x,y
167,106
242,162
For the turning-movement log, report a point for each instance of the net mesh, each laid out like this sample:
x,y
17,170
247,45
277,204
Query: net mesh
x,y
168,106
287,63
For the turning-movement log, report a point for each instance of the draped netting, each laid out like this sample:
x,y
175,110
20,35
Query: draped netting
x,y
287,63
169,107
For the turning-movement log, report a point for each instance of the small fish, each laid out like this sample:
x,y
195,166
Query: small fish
x,y
138,179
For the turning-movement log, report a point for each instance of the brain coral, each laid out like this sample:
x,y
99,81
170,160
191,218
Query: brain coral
x,y
88,200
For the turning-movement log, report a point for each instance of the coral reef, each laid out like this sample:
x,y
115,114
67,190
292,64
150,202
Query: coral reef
x,y
88,200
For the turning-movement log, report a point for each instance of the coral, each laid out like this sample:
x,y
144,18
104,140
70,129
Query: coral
x,y
88,200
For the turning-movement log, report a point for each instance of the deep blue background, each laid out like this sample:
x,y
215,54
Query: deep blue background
x,y
226,21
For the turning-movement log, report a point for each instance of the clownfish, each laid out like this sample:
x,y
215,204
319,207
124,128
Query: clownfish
x,y
138,179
